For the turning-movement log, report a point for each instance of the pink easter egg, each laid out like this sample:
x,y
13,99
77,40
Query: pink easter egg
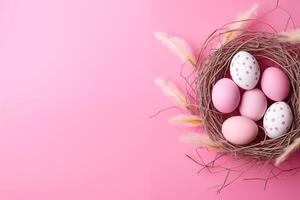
x,y
253,104
275,84
239,130
225,95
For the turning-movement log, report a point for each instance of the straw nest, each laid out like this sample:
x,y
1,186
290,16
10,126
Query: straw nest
x,y
269,49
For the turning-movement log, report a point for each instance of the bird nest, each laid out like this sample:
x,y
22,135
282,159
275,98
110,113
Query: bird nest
x,y
269,49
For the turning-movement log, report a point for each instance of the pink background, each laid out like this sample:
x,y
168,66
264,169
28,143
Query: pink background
x,y
76,92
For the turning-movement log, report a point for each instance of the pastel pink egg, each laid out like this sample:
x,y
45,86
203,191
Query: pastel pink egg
x,y
275,84
253,104
239,130
225,95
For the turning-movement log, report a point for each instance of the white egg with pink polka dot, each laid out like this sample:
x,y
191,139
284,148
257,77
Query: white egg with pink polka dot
x,y
278,119
244,70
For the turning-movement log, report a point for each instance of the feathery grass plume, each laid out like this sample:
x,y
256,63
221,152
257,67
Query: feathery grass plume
x,y
202,140
288,151
290,36
241,22
169,89
187,120
177,45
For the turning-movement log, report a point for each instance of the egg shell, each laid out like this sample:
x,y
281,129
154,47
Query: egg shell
x,y
244,70
225,95
275,84
239,130
253,104
278,119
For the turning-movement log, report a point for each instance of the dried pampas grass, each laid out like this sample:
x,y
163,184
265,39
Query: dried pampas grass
x,y
187,120
201,140
178,45
169,89
242,21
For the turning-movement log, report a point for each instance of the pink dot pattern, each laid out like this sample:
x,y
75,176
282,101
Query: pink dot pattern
x,y
244,70
278,119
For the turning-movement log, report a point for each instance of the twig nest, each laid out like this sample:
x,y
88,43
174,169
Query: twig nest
x,y
243,58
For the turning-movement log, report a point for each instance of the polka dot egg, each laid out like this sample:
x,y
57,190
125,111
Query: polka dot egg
x,y
244,70
278,119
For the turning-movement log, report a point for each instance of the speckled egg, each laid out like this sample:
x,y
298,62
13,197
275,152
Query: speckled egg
x,y
244,70
239,130
278,119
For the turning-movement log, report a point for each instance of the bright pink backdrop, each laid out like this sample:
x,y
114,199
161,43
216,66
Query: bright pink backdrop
x,y
76,92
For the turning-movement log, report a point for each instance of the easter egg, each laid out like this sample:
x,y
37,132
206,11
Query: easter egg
x,y
253,104
278,119
244,70
225,95
275,84
239,130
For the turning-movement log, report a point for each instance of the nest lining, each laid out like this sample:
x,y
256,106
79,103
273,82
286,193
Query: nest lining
x,y
265,47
